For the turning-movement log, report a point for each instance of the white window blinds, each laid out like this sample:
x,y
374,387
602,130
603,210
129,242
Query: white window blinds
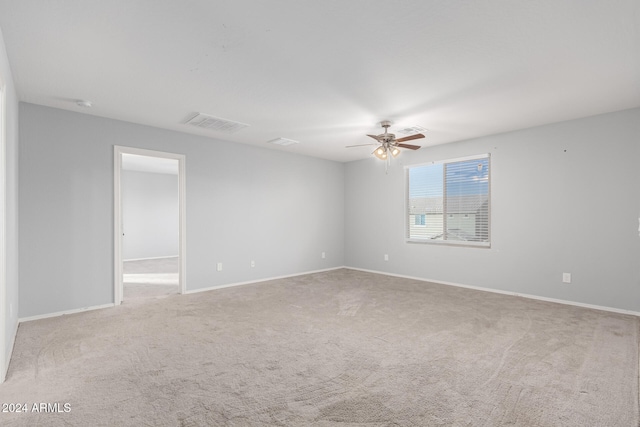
x,y
450,201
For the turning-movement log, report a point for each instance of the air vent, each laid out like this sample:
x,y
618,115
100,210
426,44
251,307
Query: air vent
x,y
215,123
283,141
411,130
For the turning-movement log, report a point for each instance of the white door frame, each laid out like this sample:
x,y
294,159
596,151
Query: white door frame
x,y
3,232
118,151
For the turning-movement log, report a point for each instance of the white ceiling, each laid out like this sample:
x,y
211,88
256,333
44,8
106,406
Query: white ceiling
x,y
325,72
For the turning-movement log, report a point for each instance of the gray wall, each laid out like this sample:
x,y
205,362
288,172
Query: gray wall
x,y
565,198
279,209
150,215
11,320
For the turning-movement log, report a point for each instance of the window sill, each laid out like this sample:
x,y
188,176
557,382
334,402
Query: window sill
x,y
486,245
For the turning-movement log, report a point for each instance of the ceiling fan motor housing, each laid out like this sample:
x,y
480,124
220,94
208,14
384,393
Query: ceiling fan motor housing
x,y
389,143
386,138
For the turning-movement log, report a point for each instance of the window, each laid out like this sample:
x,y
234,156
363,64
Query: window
x,y
449,201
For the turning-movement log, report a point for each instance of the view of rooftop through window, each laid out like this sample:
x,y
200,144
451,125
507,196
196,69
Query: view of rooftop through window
x,y
450,201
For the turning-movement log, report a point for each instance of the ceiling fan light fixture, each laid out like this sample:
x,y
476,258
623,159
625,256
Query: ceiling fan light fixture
x,y
381,153
389,145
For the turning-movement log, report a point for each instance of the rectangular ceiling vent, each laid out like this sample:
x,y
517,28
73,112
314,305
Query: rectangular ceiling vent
x,y
411,130
283,141
206,121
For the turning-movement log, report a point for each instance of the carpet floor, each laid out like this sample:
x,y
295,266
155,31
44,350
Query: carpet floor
x,y
150,278
338,348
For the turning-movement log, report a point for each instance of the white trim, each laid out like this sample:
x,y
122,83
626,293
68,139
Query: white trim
x,y
151,258
498,291
194,291
4,362
250,282
117,227
118,151
63,313
11,346
486,245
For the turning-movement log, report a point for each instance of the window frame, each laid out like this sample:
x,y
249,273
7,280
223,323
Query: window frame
x,y
407,202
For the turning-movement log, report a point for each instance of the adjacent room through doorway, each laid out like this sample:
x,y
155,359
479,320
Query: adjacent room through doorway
x,y
150,226
150,220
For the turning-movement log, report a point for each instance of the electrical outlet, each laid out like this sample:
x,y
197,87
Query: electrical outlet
x,y
386,257
324,255
566,277
253,263
219,266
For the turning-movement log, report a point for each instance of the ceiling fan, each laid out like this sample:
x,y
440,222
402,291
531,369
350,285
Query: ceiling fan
x,y
389,145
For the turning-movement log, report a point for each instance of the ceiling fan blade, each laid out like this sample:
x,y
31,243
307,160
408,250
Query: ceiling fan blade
x,y
374,137
360,145
409,146
409,138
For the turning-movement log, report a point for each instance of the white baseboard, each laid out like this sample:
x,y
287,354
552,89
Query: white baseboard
x,y
62,313
155,257
192,291
498,291
229,285
5,368
422,279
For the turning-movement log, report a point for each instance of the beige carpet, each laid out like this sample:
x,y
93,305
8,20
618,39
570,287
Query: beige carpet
x,y
150,278
340,348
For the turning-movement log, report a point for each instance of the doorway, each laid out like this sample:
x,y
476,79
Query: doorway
x,y
149,224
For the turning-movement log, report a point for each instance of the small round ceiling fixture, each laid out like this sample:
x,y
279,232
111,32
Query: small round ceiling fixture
x,y
84,104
